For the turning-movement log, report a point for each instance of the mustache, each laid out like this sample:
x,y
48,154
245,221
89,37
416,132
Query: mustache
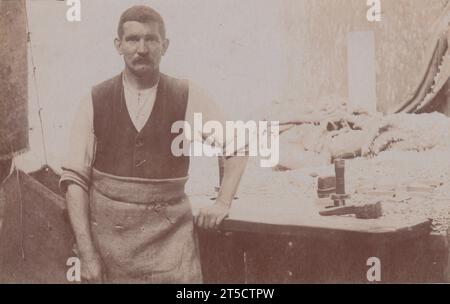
x,y
142,60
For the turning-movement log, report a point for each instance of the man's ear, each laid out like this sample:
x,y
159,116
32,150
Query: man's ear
x,y
118,44
166,44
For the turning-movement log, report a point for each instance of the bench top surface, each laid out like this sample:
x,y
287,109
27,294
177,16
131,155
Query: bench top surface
x,y
286,216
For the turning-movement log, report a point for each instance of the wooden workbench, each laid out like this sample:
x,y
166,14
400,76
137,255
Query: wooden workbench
x,y
291,243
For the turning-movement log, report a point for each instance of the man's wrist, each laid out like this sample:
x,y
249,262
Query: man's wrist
x,y
224,202
86,248
89,255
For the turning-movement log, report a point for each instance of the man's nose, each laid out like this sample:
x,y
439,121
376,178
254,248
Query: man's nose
x,y
142,47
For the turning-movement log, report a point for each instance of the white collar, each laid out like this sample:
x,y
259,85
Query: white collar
x,y
129,88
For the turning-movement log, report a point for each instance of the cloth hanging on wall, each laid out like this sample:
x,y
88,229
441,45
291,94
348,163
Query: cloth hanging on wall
x,y
13,79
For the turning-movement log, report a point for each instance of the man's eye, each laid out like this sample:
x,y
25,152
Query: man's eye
x,y
133,39
151,38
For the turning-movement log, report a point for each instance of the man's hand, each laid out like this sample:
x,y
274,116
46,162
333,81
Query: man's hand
x,y
92,270
211,217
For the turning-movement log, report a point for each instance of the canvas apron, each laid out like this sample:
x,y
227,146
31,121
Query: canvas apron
x,y
144,230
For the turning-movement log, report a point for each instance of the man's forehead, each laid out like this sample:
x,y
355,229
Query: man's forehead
x,y
136,27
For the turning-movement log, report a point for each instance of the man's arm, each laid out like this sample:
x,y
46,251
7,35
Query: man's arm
x,y
78,208
75,182
211,217
233,170
201,102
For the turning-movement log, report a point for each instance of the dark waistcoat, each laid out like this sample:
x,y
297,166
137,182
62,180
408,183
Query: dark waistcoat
x,y
121,149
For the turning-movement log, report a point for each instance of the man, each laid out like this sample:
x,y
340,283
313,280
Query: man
x,y
125,188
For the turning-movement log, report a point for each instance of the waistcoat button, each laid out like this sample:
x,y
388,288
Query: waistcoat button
x,y
139,143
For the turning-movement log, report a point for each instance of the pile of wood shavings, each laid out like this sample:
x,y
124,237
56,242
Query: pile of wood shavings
x,y
409,184
362,135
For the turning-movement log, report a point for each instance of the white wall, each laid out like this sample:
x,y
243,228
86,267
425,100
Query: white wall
x,y
233,48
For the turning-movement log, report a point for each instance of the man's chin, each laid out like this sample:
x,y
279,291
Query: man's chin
x,y
143,71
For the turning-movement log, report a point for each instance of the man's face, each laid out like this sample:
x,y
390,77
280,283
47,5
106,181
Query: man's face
x,y
142,47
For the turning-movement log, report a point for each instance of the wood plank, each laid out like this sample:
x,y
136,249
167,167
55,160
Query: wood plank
x,y
361,66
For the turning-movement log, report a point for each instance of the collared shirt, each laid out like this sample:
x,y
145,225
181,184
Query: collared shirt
x,y
139,103
77,166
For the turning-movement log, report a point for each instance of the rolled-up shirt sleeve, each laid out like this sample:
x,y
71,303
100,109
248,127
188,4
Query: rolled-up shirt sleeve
x,y
77,165
200,102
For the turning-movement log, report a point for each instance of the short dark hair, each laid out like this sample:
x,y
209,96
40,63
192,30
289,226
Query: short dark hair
x,y
142,14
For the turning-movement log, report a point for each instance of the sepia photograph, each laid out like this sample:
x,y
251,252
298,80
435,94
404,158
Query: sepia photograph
x,y
224,142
